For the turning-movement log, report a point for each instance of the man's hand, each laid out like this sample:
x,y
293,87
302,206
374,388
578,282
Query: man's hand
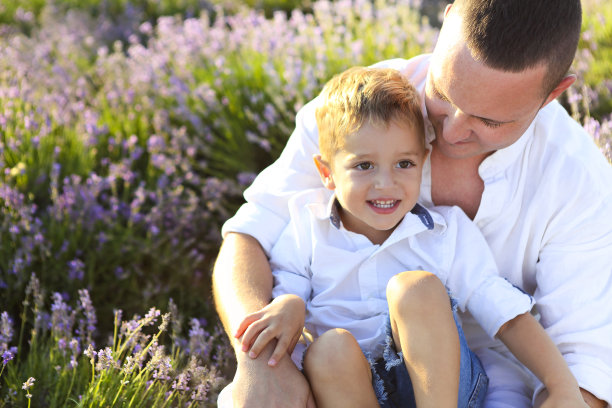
x,y
282,319
592,400
257,385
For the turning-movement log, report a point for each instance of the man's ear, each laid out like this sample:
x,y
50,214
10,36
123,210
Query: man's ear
x,y
447,9
565,83
324,171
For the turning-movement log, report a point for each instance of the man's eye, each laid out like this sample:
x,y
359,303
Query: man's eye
x,y
364,166
405,164
491,125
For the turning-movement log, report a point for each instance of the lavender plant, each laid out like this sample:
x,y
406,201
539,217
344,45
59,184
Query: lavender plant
x,y
61,365
122,162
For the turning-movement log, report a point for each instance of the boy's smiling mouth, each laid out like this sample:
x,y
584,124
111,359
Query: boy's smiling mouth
x,y
383,204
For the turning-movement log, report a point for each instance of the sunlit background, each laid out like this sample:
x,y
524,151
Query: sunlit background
x,y
128,131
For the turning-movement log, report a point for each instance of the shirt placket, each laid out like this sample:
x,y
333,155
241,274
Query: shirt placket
x,y
369,285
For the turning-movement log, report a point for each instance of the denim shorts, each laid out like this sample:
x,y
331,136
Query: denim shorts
x,y
392,383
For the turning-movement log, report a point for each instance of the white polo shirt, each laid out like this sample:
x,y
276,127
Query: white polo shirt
x,y
546,213
342,277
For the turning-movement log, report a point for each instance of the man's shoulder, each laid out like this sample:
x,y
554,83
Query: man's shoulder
x,y
308,209
561,143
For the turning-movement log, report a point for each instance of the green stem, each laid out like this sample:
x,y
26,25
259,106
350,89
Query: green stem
x,y
70,387
118,392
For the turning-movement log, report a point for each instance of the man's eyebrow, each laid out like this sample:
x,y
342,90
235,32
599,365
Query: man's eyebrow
x,y
440,95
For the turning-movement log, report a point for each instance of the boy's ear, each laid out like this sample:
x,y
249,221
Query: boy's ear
x,y
324,171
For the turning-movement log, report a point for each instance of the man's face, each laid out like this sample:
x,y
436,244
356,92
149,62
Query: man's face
x,y
476,110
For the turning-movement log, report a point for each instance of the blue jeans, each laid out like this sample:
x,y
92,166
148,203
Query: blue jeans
x,y
392,383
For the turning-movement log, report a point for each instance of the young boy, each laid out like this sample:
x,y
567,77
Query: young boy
x,y
382,335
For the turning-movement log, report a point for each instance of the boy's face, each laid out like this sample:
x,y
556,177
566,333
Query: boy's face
x,y
376,177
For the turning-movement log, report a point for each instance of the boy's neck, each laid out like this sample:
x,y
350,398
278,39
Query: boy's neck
x,y
376,237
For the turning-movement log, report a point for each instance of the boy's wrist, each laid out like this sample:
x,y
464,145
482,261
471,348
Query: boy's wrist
x,y
560,381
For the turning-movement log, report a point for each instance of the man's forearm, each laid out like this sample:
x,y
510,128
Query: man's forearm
x,y
242,280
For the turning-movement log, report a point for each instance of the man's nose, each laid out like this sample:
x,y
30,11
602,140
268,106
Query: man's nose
x,y
456,127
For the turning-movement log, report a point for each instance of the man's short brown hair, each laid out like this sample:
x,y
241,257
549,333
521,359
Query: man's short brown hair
x,y
363,95
514,35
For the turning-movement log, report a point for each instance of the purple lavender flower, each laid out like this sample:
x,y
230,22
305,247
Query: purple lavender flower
x,y
8,355
62,318
90,314
6,329
181,383
200,391
76,269
106,360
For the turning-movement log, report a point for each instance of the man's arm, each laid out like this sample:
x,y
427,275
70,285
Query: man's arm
x,y
242,283
242,280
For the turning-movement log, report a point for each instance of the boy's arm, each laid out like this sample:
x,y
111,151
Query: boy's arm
x,y
530,344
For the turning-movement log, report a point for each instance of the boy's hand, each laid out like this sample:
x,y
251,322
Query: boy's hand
x,y
282,319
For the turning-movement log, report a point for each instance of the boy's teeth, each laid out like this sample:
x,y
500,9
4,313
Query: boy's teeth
x,y
384,204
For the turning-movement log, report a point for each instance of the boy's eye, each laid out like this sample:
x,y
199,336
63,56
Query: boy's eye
x,y
405,164
364,166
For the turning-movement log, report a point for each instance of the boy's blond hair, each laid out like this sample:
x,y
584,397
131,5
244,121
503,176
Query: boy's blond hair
x,y
363,95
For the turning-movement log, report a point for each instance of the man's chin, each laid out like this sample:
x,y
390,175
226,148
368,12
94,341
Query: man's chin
x,y
459,151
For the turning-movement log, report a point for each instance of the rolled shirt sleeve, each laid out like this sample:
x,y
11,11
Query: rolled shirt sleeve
x,y
474,279
574,292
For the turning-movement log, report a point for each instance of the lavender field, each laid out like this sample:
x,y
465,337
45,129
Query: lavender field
x,y
128,131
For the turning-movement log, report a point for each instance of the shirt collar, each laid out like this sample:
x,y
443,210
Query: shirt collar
x,y
502,159
418,210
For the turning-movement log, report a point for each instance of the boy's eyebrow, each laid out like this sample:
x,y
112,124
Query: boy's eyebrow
x,y
361,156
440,95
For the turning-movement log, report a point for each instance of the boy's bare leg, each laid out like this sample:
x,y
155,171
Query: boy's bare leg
x,y
424,328
338,372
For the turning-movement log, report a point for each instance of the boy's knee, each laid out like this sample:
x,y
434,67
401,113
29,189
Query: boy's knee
x,y
329,351
413,290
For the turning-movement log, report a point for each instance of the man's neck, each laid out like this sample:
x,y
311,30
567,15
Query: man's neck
x,y
456,182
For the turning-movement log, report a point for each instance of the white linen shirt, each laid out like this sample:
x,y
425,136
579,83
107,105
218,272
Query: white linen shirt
x,y
342,276
546,213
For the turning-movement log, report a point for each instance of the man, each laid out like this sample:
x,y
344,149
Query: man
x,y
504,151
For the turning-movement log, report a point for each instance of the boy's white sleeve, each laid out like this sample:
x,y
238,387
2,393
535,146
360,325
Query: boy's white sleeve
x,y
290,258
473,276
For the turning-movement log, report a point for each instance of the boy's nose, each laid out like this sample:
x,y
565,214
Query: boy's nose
x,y
384,179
